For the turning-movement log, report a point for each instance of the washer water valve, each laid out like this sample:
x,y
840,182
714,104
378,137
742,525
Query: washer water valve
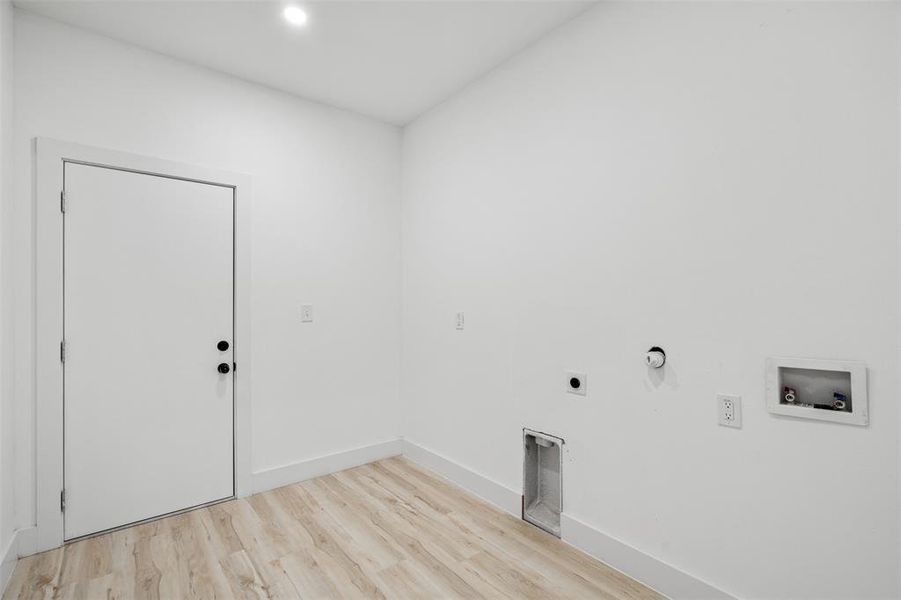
x,y
655,357
839,401
789,395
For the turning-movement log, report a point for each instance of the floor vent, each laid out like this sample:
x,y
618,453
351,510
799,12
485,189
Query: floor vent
x,y
542,477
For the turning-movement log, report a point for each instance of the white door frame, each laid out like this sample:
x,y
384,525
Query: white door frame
x,y
50,157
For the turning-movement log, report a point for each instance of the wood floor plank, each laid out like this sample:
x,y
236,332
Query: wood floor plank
x,y
393,516
390,529
380,551
39,577
430,517
313,578
405,580
242,577
238,522
434,530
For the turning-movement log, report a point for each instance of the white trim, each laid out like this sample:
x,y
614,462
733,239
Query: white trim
x,y
650,571
49,156
244,369
20,544
8,561
27,541
501,496
324,465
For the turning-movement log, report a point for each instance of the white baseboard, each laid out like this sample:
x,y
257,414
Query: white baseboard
x,y
8,561
21,544
475,483
650,571
323,465
27,541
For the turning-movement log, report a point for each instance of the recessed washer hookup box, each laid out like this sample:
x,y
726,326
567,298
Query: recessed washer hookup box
x,y
824,390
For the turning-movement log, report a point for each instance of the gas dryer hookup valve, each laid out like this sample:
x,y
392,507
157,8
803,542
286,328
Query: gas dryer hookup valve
x,y
655,357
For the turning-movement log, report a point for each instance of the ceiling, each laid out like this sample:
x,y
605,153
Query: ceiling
x,y
391,60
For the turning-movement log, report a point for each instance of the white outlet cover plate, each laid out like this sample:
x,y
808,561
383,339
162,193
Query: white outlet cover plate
x,y
723,404
583,383
306,313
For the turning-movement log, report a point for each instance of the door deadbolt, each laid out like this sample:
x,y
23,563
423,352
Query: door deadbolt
x,y
223,346
224,368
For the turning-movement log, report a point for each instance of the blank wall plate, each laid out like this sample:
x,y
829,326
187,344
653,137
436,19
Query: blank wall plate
x,y
306,313
729,408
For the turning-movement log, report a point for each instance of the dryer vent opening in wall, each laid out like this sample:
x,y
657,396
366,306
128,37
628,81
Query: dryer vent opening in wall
x,y
542,498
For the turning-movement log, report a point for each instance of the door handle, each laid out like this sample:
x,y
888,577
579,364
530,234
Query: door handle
x,y
222,346
224,368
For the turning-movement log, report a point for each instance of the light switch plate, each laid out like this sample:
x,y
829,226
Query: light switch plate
x,y
729,408
461,321
306,313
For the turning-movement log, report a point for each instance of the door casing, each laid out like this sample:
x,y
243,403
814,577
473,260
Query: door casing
x,y
50,156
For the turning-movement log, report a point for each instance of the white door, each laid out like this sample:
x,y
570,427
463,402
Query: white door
x,y
148,286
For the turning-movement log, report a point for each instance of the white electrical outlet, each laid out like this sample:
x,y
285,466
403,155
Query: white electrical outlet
x,y
306,313
460,321
729,408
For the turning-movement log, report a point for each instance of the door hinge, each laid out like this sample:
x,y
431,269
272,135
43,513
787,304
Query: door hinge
x,y
63,202
62,351
62,501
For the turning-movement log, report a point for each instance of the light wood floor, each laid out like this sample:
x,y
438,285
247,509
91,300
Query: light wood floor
x,y
385,530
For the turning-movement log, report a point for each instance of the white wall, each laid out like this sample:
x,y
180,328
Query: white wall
x,y
325,228
6,185
720,179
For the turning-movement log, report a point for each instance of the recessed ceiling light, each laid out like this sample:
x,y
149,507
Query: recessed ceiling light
x,y
295,15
